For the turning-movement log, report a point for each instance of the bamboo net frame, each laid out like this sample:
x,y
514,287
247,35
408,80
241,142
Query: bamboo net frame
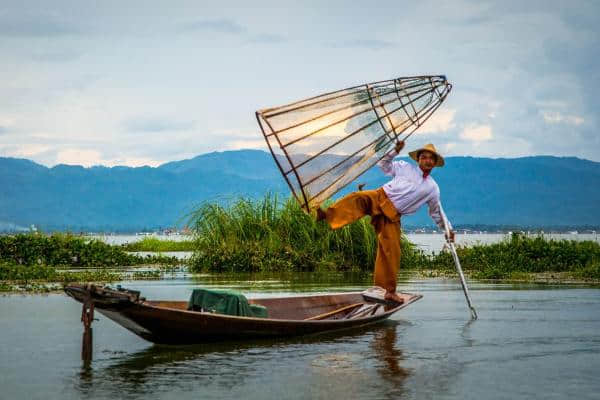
x,y
323,143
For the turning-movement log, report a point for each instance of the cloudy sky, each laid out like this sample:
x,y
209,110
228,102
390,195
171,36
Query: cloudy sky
x,y
145,82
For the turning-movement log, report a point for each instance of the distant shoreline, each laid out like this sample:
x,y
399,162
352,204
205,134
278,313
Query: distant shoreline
x,y
462,229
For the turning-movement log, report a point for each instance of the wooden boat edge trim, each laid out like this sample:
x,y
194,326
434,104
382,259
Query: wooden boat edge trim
x,y
414,298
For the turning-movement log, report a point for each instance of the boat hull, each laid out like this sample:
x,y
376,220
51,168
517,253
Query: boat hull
x,y
166,322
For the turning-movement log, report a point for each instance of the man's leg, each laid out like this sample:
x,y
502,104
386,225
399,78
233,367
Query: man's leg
x,y
351,208
387,260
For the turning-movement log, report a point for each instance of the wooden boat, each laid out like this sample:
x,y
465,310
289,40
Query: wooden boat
x,y
169,322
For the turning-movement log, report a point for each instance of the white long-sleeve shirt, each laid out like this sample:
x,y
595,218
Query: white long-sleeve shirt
x,y
408,190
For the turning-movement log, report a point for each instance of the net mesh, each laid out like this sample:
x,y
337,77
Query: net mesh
x,y
323,143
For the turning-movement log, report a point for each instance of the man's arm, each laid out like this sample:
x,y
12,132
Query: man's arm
x,y
386,163
436,215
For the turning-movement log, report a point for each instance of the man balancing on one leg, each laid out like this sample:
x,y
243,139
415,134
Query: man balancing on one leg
x,y
410,188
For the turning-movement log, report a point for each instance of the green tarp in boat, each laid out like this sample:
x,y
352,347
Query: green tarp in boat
x,y
225,302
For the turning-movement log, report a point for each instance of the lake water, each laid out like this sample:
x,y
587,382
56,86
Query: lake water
x,y
529,342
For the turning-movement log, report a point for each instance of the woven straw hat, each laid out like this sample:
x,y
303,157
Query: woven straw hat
x,y
431,148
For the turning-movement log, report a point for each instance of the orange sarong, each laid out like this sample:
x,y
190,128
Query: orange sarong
x,y
386,221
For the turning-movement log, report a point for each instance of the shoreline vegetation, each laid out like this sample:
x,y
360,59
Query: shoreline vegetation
x,y
274,236
39,263
269,235
159,245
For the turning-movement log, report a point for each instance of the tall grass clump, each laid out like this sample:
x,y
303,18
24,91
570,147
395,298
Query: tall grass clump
x,y
520,253
273,235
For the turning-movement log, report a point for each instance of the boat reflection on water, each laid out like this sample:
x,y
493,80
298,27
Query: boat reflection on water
x,y
321,360
390,357
385,347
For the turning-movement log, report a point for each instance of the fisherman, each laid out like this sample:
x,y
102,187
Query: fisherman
x,y
411,187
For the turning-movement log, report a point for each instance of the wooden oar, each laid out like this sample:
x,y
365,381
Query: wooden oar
x,y
463,282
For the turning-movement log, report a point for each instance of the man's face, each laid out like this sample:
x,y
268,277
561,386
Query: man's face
x,y
426,160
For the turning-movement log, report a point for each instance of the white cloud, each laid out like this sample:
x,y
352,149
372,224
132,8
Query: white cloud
x,y
247,144
221,25
155,124
83,157
441,121
448,147
555,117
89,158
26,151
477,133
6,121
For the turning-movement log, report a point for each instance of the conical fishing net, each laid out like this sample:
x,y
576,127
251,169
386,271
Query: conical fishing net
x,y
323,143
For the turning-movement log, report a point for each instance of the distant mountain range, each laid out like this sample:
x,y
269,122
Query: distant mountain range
x,y
528,192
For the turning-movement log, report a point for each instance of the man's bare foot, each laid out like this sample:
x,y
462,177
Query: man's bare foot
x,y
393,296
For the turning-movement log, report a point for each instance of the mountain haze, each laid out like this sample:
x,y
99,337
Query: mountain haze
x,y
531,191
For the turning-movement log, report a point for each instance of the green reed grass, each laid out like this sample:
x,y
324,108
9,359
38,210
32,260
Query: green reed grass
x,y
276,235
159,245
